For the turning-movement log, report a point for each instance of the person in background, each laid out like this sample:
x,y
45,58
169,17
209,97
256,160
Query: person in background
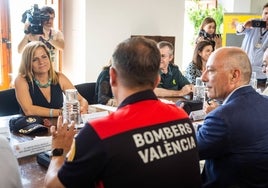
x,y
9,166
208,32
255,43
202,51
234,145
265,70
129,148
51,37
173,83
265,62
103,89
39,88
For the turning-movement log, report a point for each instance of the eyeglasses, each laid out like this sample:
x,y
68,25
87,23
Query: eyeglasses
x,y
164,56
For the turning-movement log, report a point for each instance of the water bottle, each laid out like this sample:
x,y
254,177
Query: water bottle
x,y
199,90
253,80
71,107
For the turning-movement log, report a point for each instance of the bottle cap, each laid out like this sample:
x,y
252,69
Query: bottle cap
x,y
71,94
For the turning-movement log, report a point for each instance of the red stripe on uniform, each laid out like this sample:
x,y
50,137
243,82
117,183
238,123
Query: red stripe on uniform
x,y
141,114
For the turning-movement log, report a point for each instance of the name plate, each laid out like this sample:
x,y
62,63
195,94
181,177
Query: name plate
x,y
37,145
197,115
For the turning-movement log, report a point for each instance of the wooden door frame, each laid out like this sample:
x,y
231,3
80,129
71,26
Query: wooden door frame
x,y
5,45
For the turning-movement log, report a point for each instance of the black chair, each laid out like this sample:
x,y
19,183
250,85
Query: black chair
x,y
8,103
87,90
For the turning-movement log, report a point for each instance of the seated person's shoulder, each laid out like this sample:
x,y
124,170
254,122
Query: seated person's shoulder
x,y
104,74
174,69
172,65
57,33
190,66
62,78
61,75
20,80
105,70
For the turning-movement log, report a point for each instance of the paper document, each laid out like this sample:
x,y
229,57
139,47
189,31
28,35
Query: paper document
x,y
104,107
94,115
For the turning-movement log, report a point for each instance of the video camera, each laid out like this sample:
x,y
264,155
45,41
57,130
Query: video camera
x,y
36,19
258,23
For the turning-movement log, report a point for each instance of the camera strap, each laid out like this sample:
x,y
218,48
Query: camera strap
x,y
49,46
262,33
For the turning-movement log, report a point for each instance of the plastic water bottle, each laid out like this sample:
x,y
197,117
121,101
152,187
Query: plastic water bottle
x,y
253,80
199,90
71,107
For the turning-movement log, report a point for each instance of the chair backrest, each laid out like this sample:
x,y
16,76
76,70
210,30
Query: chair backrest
x,y
87,90
8,103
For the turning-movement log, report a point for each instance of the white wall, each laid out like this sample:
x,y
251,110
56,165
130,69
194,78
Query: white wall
x,y
74,62
109,22
243,6
231,6
256,6
93,28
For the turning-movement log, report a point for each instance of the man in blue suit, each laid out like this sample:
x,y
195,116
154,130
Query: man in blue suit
x,y
234,137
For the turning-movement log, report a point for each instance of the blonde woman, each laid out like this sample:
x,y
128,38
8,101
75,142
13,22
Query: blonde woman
x,y
38,86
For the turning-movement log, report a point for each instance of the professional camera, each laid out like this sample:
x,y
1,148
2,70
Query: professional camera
x,y
206,35
36,19
258,23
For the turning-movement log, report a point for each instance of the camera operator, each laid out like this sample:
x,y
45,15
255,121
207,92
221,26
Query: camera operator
x,y
255,42
53,38
208,32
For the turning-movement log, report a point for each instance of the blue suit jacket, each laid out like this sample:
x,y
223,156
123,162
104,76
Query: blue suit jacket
x,y
234,141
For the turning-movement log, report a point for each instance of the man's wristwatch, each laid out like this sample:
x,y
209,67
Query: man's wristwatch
x,y
57,152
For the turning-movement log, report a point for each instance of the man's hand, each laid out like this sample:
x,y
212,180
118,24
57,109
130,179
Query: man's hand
x,y
62,137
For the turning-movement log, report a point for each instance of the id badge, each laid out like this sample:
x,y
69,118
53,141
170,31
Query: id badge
x,y
258,45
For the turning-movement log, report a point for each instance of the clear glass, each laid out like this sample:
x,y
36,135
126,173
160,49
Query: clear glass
x,y
71,107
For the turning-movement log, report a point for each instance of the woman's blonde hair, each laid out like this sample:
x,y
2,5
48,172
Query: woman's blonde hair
x,y
26,69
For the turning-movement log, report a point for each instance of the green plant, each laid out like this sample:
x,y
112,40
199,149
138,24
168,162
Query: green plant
x,y
197,14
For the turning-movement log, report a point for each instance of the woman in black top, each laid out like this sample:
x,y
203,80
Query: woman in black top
x,y
103,89
39,88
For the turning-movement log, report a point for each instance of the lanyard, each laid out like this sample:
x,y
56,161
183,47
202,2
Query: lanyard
x,y
262,34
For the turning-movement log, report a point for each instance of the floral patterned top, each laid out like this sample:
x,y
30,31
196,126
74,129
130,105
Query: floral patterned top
x,y
192,72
